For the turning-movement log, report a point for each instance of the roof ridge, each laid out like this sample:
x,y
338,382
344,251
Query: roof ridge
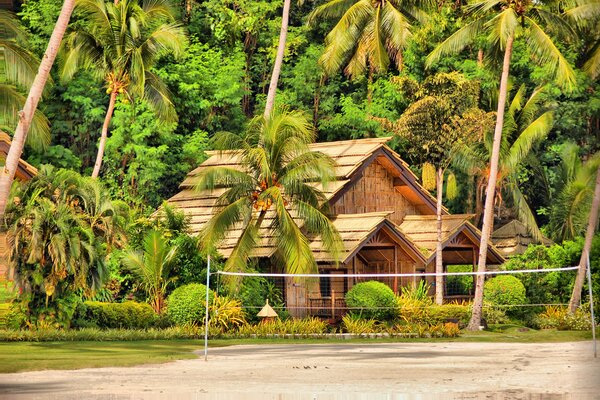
x,y
364,215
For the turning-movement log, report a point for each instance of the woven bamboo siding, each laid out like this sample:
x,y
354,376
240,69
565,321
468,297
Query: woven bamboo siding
x,y
373,192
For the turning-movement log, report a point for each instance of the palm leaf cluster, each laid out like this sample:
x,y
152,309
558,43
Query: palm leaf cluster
x,y
275,192
528,122
500,20
120,42
369,34
18,67
152,267
58,233
587,17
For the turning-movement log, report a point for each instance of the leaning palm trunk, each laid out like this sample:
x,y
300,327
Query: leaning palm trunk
x,y
104,134
278,59
7,174
589,235
488,211
439,264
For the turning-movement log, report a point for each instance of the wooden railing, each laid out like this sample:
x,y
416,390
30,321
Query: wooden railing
x,y
327,307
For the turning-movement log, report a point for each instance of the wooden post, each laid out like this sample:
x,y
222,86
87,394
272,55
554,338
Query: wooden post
x,y
332,303
474,264
395,269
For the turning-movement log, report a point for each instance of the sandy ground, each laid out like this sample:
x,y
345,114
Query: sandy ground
x,y
336,371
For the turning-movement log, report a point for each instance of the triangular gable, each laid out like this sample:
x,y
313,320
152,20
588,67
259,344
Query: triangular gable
x,y
422,231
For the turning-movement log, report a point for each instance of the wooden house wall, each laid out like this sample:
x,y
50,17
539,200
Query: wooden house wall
x,y
373,192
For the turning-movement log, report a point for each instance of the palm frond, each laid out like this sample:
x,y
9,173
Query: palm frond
x,y
592,64
502,26
158,96
456,42
547,53
534,133
331,9
524,213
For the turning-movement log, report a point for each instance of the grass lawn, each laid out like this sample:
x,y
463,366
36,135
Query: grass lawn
x,y
30,356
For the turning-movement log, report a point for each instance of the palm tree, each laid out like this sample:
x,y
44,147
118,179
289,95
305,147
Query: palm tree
x,y
152,267
119,43
54,250
285,17
17,69
503,20
570,208
587,246
527,124
274,192
26,115
369,34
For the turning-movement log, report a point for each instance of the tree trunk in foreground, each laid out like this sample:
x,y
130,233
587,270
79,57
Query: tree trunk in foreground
x,y
7,175
439,263
278,59
104,135
488,211
589,235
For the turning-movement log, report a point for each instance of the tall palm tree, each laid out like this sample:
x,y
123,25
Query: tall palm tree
x,y
503,21
152,267
278,177
17,70
285,17
369,34
527,123
26,115
570,207
119,43
587,246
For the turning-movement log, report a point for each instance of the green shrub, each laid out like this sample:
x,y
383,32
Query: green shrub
x,y
226,314
187,304
254,292
461,313
372,300
504,290
96,334
493,314
127,315
557,317
412,310
292,326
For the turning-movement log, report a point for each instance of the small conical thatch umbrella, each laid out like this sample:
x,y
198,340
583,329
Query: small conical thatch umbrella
x,y
267,313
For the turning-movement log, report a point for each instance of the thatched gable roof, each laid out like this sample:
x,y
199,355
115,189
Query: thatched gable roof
x,y
350,156
421,230
513,238
25,171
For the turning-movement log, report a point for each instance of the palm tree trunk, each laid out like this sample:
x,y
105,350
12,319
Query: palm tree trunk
x,y
104,135
7,175
589,235
439,263
488,211
278,59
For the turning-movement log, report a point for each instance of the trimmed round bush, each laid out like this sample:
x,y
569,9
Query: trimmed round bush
x,y
186,305
504,290
372,300
126,315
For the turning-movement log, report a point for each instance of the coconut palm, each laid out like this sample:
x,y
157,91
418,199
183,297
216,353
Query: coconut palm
x,y
503,21
369,34
274,192
152,267
285,17
587,247
119,43
527,123
27,113
570,208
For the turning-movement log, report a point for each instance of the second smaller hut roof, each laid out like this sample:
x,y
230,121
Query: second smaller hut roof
x,y
513,238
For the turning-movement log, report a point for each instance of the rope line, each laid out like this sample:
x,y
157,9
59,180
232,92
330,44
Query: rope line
x,y
280,275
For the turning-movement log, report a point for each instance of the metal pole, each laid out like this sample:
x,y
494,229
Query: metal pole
x,y
589,277
206,309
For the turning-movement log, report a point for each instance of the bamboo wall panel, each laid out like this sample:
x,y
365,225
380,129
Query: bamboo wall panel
x,y
375,191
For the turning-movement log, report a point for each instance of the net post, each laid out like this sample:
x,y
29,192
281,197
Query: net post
x,y
589,279
206,309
